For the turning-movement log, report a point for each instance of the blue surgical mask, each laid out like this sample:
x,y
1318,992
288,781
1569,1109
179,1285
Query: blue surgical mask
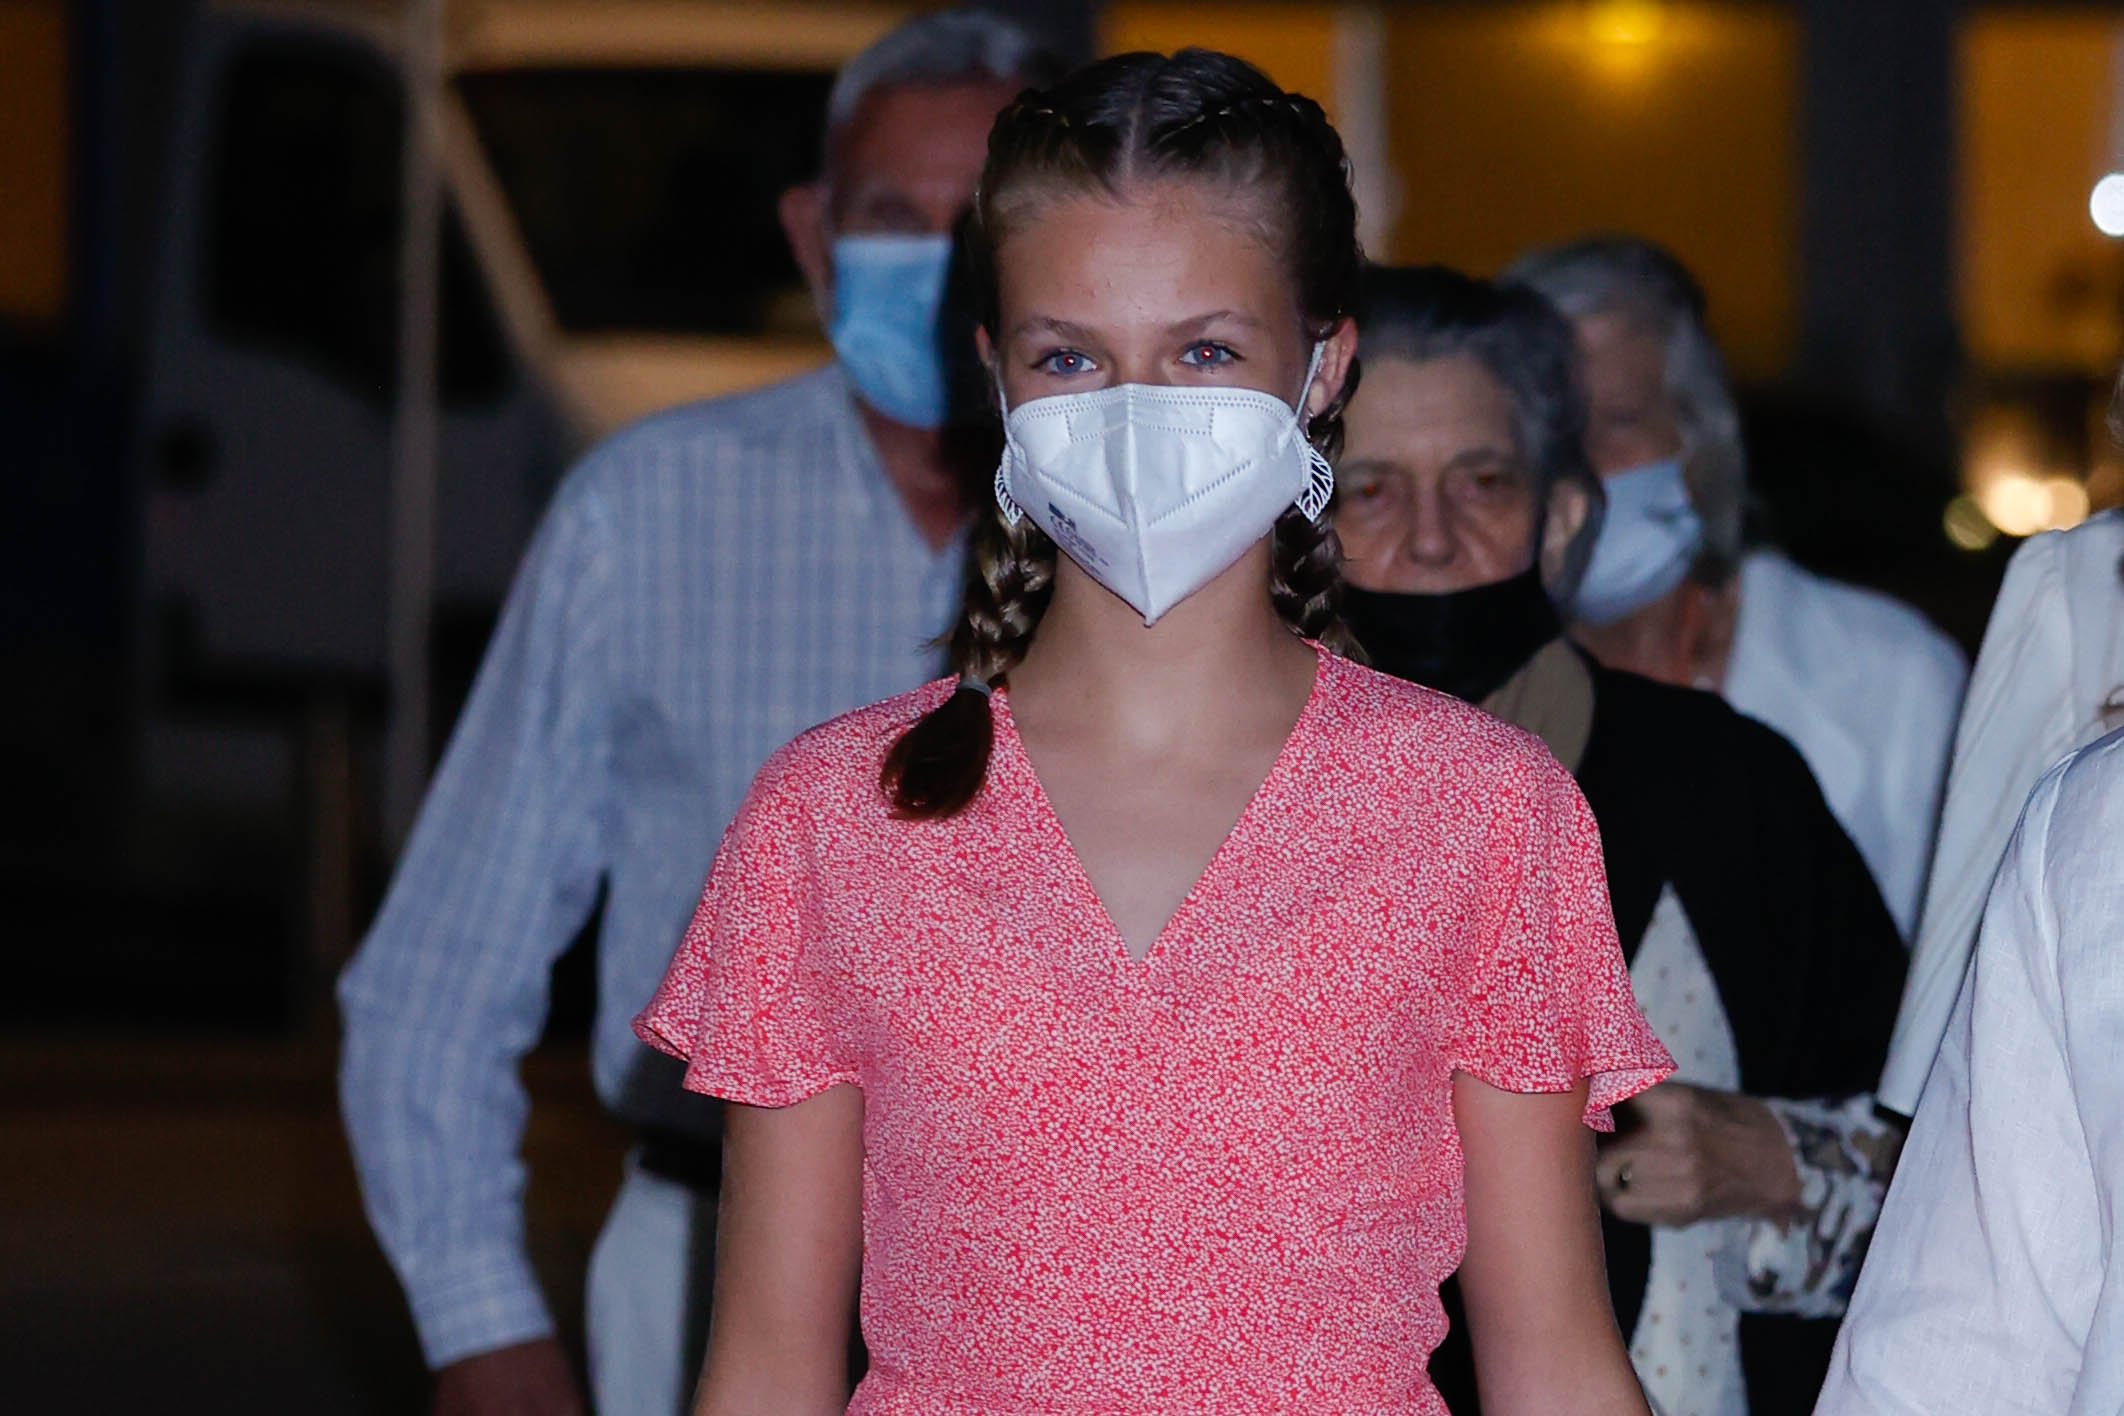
x,y
1649,538
888,293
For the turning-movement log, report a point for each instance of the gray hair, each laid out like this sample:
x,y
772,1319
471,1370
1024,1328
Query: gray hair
x,y
1430,312
1628,276
951,46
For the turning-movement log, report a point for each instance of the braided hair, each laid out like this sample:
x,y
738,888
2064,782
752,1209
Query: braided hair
x,y
1197,115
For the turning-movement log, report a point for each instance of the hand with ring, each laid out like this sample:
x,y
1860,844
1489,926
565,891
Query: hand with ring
x,y
1686,1154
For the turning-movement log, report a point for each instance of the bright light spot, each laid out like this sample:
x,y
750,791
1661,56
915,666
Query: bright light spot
x,y
2016,503
2106,205
2021,503
2068,502
1965,525
1625,22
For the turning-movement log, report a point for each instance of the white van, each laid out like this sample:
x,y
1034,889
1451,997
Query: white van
x,y
609,171
609,247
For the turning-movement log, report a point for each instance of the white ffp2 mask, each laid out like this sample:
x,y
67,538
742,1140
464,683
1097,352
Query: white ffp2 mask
x,y
1156,490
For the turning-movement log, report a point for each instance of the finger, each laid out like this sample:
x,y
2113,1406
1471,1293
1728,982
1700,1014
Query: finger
x,y
1659,1191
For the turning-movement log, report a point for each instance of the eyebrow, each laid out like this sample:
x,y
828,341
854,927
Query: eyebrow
x,y
1195,322
1047,324
1487,452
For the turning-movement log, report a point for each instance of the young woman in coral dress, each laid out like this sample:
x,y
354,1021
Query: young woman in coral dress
x,y
1153,1015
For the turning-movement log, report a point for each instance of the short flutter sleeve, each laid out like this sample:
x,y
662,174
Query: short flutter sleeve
x,y
739,1003
1546,999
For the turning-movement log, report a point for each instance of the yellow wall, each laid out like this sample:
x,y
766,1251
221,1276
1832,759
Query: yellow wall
x,y
1513,125
33,161
2039,286
1293,44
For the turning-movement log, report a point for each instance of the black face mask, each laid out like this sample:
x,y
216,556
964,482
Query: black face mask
x,y
1466,643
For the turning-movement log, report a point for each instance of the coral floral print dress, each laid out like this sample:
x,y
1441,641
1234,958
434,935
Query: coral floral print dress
x,y
1224,1178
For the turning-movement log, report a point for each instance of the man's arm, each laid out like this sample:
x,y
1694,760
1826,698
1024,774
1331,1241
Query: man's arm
x,y
450,988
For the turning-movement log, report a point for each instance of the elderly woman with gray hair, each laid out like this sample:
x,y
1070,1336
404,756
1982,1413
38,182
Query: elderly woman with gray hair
x,y
1860,683
1738,1197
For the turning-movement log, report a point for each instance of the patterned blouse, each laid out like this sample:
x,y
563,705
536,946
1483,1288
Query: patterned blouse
x,y
1223,1178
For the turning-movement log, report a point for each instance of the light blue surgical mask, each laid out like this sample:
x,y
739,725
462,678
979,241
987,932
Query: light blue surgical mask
x,y
888,292
1648,540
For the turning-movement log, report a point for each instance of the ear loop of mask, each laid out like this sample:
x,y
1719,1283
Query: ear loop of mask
x,y
1012,513
1319,472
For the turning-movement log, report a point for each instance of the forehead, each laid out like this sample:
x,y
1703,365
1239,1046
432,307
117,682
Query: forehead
x,y
1414,410
907,134
1620,351
1147,253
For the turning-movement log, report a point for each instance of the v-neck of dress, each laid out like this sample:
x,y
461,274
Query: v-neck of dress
x,y
1009,743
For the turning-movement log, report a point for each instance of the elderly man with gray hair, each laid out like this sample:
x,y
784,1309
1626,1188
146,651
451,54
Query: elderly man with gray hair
x,y
707,584
1864,686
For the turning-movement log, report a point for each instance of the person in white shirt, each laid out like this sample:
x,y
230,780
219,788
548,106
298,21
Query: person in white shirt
x,y
1992,1286
1861,684
2049,679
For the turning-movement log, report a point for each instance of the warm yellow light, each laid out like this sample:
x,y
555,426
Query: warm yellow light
x,y
2021,503
1966,525
2016,502
1627,23
2069,502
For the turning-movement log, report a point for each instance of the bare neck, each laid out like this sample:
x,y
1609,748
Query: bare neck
x,y
926,469
1220,663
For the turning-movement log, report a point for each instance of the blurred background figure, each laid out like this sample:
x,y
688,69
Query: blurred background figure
x,y
708,583
2049,679
1739,1196
1863,686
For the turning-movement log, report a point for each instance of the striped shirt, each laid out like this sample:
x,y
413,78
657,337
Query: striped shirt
x,y
707,584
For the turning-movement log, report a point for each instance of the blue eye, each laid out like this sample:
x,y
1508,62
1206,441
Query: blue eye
x,y
1065,362
1208,355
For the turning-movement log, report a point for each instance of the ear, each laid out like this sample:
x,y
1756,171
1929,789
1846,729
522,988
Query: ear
x,y
802,210
1562,520
984,347
1335,360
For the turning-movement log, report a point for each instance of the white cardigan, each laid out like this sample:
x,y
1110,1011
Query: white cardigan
x,y
2051,664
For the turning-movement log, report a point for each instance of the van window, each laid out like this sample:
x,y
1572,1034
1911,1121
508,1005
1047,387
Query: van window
x,y
302,234
647,197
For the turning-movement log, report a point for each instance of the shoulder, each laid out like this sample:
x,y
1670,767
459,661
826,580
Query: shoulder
x,y
1874,634
1683,723
713,428
1401,732
2083,799
1684,740
830,772
2062,562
